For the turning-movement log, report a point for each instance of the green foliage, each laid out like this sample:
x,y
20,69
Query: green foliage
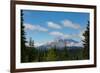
x,y
64,54
51,56
76,54
41,55
86,42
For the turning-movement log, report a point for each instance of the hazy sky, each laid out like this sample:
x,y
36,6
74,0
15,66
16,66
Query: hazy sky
x,y
44,26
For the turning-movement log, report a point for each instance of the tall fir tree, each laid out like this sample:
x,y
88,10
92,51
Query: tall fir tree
x,y
31,42
23,40
86,42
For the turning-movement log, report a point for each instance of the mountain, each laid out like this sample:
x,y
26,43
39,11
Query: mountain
x,y
61,43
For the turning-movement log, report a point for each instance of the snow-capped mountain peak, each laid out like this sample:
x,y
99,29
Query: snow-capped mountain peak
x,y
60,43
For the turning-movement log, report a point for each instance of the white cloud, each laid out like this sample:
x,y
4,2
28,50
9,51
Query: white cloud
x,y
29,27
59,34
79,35
56,33
39,28
70,24
35,27
53,25
67,36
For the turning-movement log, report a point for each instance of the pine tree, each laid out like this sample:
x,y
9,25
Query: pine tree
x,y
86,42
31,42
23,40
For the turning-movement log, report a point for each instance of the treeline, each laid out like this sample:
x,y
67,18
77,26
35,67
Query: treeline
x,y
52,54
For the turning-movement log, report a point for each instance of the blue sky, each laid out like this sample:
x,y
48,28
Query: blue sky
x,y
44,26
